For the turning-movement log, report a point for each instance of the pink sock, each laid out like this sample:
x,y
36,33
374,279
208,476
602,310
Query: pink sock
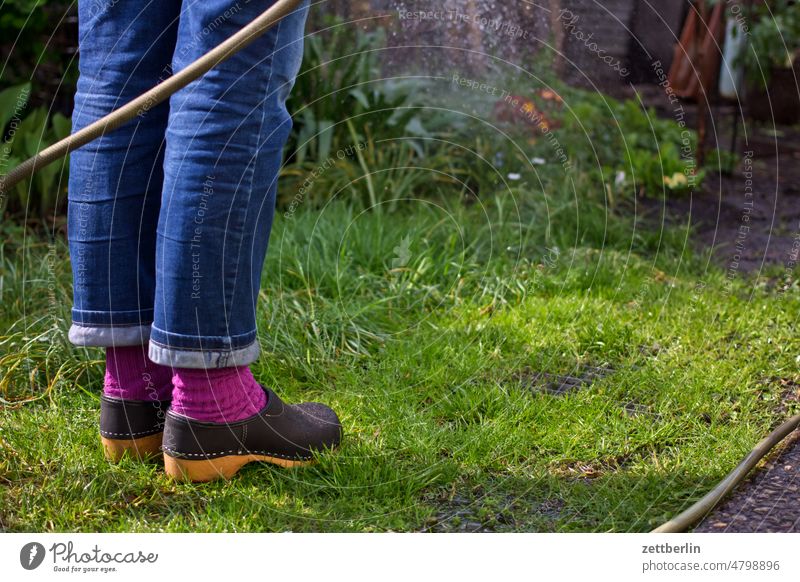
x,y
217,395
131,375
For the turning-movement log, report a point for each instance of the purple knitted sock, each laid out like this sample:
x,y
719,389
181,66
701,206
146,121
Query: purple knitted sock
x,y
131,375
217,395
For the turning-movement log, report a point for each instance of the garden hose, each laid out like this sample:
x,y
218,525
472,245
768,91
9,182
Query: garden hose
x,y
700,509
223,51
151,98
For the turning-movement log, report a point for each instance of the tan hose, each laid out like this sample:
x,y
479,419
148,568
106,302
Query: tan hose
x,y
700,509
152,97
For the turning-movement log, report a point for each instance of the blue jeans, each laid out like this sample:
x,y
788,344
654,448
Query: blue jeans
x,y
169,216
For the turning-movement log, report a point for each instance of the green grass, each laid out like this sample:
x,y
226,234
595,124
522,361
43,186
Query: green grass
x,y
422,354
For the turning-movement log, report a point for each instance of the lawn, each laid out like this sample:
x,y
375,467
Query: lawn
x,y
443,332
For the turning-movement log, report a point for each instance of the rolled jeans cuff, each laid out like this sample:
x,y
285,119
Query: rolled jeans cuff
x,y
174,350
107,336
181,351
108,329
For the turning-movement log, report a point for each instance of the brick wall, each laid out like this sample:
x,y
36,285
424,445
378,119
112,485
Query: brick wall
x,y
594,38
589,42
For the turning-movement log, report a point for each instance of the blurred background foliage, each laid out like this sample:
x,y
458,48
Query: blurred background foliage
x,y
38,39
366,135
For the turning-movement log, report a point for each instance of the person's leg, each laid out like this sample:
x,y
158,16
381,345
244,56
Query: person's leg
x,y
114,197
115,181
225,140
131,375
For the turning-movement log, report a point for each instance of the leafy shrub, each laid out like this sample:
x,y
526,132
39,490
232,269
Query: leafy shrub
x,y
773,39
636,148
350,124
24,137
38,39
341,79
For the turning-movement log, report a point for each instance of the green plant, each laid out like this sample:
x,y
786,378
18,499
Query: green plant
x,y
22,23
354,129
37,38
636,148
23,137
722,160
774,39
341,80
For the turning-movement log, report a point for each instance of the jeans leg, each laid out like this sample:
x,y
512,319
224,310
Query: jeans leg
x,y
225,139
115,181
